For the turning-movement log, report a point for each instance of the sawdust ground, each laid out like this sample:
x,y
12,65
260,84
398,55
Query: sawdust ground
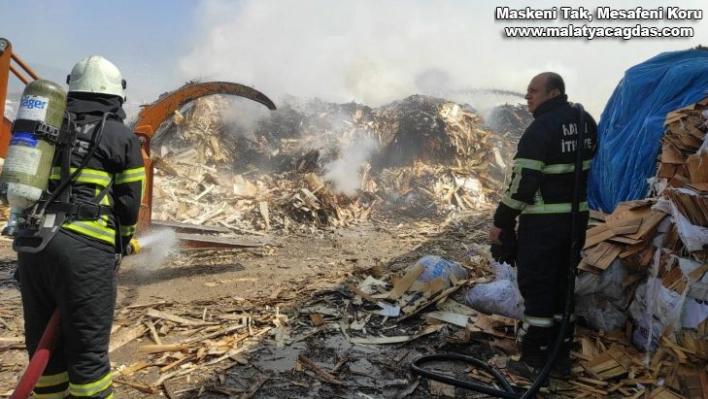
x,y
296,260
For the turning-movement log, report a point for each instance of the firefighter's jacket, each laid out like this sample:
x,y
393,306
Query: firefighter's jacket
x,y
542,180
117,165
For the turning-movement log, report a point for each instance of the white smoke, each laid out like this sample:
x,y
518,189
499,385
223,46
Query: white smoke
x,y
374,52
344,172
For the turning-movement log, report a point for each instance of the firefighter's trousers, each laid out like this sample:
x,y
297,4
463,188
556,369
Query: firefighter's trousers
x,y
77,277
544,243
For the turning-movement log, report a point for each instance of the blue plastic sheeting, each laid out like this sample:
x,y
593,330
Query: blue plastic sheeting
x,y
632,124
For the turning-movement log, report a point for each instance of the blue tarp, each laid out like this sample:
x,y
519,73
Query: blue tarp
x,y
632,124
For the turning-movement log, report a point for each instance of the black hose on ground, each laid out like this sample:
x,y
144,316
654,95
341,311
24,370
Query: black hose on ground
x,y
574,257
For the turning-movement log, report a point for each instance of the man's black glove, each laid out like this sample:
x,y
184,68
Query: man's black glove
x,y
506,253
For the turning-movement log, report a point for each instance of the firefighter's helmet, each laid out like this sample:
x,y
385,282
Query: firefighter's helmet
x,y
96,74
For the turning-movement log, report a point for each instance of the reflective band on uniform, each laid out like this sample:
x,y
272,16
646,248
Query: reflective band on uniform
x,y
92,388
538,197
559,317
128,230
51,386
563,168
55,395
538,321
93,230
529,164
552,208
513,204
106,200
514,187
130,175
91,176
51,380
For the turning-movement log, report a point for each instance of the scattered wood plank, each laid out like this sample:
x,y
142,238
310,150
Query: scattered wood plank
x,y
403,284
176,363
125,336
598,234
323,375
456,319
177,319
135,385
137,366
255,387
164,348
602,255
610,364
396,339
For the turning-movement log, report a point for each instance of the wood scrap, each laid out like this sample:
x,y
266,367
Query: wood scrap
x,y
125,336
135,385
397,339
177,319
137,366
254,389
323,375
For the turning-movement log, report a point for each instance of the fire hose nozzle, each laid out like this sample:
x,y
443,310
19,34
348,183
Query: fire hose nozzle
x,y
133,247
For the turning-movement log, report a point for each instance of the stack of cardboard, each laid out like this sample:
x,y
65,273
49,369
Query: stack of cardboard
x,y
656,249
627,233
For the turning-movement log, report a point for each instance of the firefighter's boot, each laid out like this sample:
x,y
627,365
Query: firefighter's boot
x,y
562,367
534,352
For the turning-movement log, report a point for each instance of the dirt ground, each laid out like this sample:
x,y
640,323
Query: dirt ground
x,y
290,271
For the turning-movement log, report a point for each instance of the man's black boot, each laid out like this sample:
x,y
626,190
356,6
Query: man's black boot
x,y
534,353
562,366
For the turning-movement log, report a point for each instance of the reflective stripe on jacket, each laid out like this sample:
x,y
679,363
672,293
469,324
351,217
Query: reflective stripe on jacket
x,y
542,180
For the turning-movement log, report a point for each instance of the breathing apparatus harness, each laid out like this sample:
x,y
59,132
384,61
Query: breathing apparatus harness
x,y
42,221
509,391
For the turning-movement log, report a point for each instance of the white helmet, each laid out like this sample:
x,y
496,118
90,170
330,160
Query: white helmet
x,y
96,74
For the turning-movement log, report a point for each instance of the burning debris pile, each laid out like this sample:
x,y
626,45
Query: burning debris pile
x,y
510,119
317,164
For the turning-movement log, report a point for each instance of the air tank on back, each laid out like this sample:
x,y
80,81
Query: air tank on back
x,y
28,163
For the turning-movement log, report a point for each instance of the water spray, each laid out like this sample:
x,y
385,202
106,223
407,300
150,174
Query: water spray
x,y
155,246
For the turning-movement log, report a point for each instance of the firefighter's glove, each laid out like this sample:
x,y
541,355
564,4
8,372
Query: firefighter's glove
x,y
507,252
133,247
118,260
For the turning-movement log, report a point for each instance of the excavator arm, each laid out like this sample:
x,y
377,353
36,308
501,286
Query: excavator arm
x,y
154,114
146,126
19,69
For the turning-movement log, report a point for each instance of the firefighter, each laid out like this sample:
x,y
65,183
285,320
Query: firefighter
x,y
540,194
75,273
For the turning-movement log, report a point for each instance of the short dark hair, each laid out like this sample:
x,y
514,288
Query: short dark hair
x,y
554,81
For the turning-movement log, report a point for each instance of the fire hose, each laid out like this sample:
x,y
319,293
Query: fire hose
x,y
46,345
39,360
508,391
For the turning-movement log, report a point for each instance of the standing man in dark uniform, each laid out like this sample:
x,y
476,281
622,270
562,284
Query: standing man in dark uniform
x,y
540,194
75,273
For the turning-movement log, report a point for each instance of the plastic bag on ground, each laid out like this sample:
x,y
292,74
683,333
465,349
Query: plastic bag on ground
x,y
436,266
694,313
642,338
599,312
609,283
501,296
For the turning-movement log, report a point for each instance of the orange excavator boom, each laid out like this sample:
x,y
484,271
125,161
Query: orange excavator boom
x,y
149,120
154,114
19,69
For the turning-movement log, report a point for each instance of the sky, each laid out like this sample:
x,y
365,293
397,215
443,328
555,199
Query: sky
x,y
368,51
